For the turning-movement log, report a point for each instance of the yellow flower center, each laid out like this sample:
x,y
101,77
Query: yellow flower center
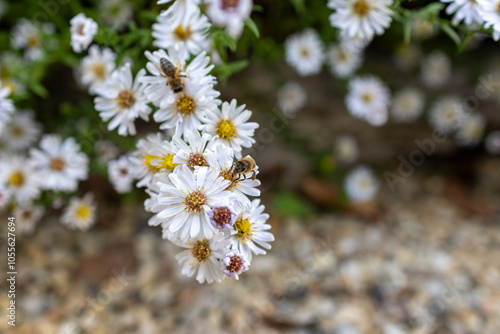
x,y
200,250
244,228
194,201
125,99
99,71
226,130
304,52
166,162
361,8
196,159
57,164
11,86
83,212
34,41
17,131
16,179
185,105
367,97
228,175
182,34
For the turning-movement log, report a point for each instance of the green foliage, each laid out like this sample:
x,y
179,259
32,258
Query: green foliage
x,y
289,204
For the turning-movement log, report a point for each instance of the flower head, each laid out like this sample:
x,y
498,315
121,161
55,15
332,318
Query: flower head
x,y
230,14
6,106
436,69
121,174
82,30
22,131
407,105
471,129
447,114
18,175
222,215
234,264
27,216
361,185
343,61
291,98
80,214
368,98
304,52
96,68
346,149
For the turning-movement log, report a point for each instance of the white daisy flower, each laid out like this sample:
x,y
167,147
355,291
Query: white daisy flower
x,y
436,69
304,52
230,126
230,14
22,131
4,196
368,98
80,214
251,231
83,30
361,185
106,151
27,216
361,18
193,150
61,164
157,90
179,9
222,159
96,68
116,13
492,143
121,174
447,114
202,257
407,57
234,263
422,28
187,38
346,149
122,100
471,130
6,106
343,61
28,35
19,176
291,98
154,155
407,105
186,200
488,11
465,10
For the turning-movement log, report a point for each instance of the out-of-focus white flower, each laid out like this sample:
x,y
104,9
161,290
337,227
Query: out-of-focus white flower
x,y
368,98
179,9
361,18
343,61
21,132
465,10
471,130
447,114
27,216
18,175
304,51
234,264
187,38
185,199
60,164
291,98
251,231
230,14
407,105
489,13
492,143
407,56
116,13
121,174
436,69
83,30
361,185
230,126
346,149
6,106
4,196
96,68
80,214
121,99
28,35
106,151
422,28
355,43
202,257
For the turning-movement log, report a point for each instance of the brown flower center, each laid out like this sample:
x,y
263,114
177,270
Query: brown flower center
x,y
194,201
222,215
367,97
196,159
57,164
361,8
201,250
229,4
235,264
99,71
125,99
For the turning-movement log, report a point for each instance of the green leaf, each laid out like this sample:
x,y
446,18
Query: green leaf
x,y
289,204
299,6
432,9
407,31
253,27
451,33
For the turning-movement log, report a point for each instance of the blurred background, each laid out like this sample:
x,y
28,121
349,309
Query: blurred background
x,y
391,228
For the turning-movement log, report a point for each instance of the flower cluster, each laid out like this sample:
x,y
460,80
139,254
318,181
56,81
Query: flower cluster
x,y
202,190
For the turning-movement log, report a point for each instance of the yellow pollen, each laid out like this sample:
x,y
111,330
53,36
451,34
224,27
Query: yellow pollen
x,y
83,212
99,71
343,56
244,228
226,130
227,175
361,8
201,250
125,99
181,33
57,164
185,105
367,97
304,52
33,41
167,162
194,201
196,159
16,179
